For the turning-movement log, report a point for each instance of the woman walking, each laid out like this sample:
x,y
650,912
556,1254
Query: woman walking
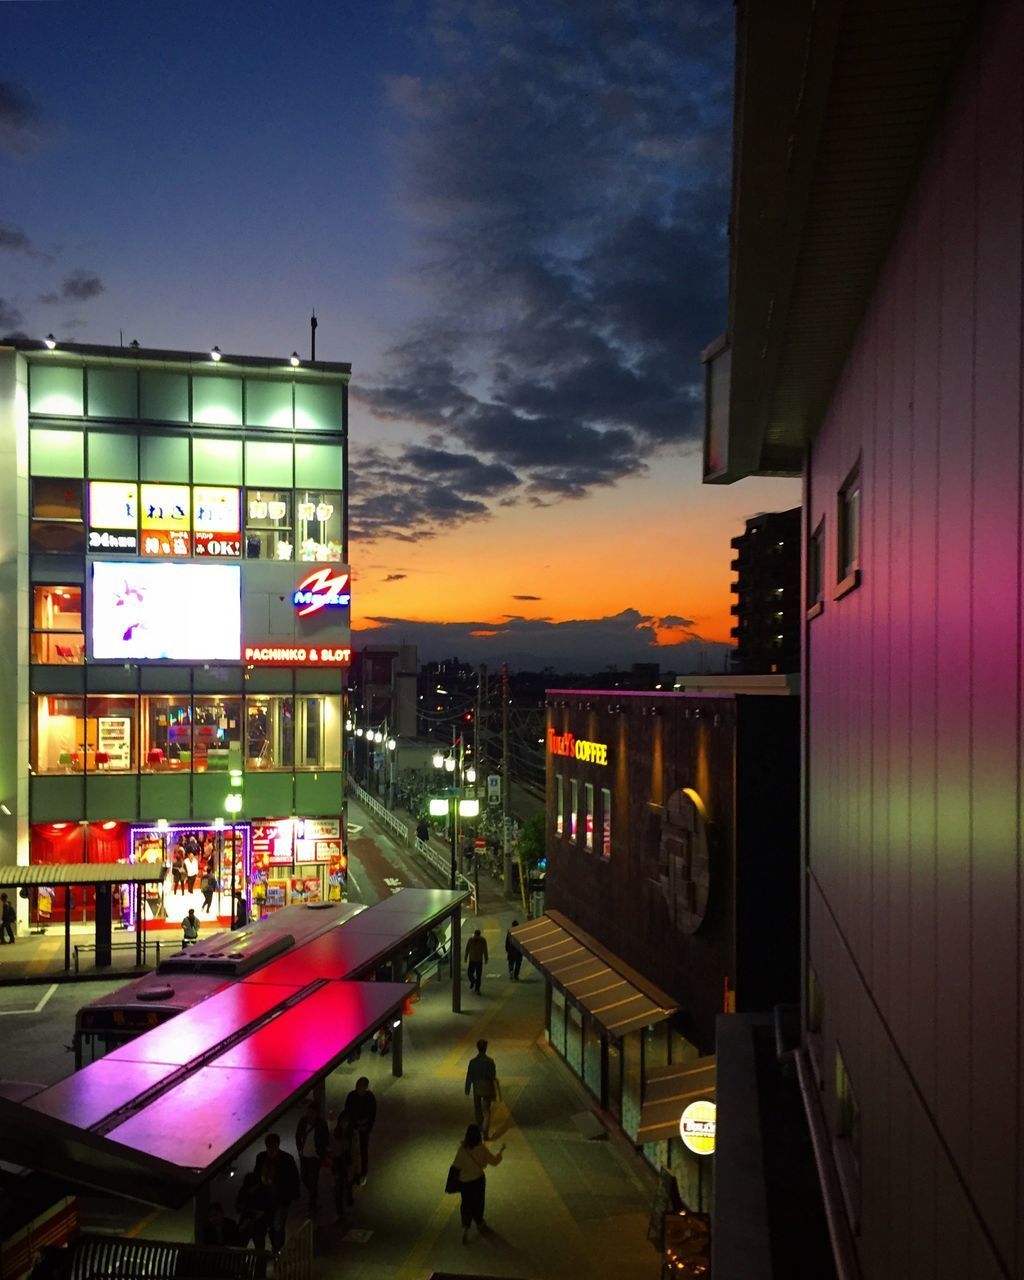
x,y
471,1160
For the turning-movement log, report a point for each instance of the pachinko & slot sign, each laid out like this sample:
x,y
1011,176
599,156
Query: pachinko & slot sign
x,y
295,655
567,744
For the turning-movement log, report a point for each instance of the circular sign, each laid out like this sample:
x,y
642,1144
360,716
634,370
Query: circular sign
x,y
697,1127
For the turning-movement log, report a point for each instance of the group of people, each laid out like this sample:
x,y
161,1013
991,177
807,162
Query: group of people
x,y
276,1180
476,957
194,860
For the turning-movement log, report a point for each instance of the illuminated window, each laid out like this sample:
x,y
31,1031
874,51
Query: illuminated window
x,y
815,568
559,804
588,815
166,520
57,636
574,806
111,734
58,734
318,732
166,733
269,733
57,516
268,525
318,525
606,823
217,734
849,525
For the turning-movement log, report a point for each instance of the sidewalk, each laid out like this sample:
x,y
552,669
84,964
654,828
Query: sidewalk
x,y
39,957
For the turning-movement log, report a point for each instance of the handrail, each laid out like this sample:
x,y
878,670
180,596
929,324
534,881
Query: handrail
x,y
441,865
399,827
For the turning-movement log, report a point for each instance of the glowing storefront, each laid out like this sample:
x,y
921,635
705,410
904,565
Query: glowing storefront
x,y
178,593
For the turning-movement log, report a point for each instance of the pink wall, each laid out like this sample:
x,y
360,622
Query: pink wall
x,y
913,759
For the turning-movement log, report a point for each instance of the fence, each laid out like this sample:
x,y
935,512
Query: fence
x,y
295,1261
394,824
106,1257
441,864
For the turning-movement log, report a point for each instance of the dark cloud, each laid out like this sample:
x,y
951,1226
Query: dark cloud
x,y
396,577
14,239
568,171
674,621
535,643
79,286
10,316
21,120
527,597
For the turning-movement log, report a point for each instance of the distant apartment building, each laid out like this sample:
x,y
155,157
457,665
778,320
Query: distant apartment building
x,y
767,590
874,347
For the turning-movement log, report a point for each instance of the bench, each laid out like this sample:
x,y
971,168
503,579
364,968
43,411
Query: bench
x,y
114,946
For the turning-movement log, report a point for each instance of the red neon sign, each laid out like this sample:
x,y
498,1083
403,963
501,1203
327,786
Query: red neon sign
x,y
322,589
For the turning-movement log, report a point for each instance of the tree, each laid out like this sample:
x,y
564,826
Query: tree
x,y
531,840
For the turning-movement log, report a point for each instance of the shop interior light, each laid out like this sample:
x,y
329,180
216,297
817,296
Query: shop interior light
x,y
218,824
469,808
449,764
161,824
293,359
5,811
471,775
392,744
437,807
50,341
215,354
109,826
439,761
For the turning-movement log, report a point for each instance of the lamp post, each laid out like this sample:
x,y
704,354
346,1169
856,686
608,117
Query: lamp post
x,y
455,805
233,805
392,745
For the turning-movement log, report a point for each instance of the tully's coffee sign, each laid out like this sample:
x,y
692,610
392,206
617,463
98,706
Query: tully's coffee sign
x,y
567,744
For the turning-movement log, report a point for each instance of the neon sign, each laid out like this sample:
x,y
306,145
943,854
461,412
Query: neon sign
x,y
321,590
697,1127
567,744
296,655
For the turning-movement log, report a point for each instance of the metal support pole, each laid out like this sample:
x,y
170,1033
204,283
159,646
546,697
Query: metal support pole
x,y
200,1212
451,835
456,959
506,783
67,928
138,922
320,1095
396,1048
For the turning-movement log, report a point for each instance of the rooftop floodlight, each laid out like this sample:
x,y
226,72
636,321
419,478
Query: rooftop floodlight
x,y
439,761
293,359
215,354
50,341
449,764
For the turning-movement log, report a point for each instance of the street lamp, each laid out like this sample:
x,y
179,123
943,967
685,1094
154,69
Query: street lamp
x,y
233,805
392,745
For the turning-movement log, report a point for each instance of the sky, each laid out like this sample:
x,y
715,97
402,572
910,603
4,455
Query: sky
x,y
509,217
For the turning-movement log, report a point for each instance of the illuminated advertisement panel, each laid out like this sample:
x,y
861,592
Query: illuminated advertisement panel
x,y
217,523
175,612
165,519
113,516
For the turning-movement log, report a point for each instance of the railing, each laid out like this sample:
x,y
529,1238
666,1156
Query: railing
x,y
441,864
81,947
103,1257
295,1261
396,825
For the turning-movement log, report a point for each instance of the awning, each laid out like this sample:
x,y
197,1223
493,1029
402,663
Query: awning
x,y
78,873
668,1091
614,995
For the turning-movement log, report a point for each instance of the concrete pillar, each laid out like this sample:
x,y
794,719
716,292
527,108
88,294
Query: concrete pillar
x,y
456,960
320,1096
103,954
201,1211
396,1048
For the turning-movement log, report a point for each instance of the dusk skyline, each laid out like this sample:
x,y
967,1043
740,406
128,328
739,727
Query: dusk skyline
x,y
511,222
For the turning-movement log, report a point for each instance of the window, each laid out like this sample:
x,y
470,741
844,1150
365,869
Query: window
x,y
318,732
318,525
58,734
268,525
166,519
588,815
166,733
574,806
110,734
269,733
606,823
57,635
849,529
559,804
815,571
217,734
57,516
215,521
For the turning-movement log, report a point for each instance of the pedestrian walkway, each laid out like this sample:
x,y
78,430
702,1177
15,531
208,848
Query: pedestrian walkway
x,y
39,957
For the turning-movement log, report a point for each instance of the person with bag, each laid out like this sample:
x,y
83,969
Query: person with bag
x,y
312,1128
482,1078
190,928
512,954
253,1211
279,1176
209,889
8,919
471,1161
361,1114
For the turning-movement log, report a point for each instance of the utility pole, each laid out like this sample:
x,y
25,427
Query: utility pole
x,y
505,781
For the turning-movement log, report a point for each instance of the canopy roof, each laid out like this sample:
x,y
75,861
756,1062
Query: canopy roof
x,y
73,873
668,1091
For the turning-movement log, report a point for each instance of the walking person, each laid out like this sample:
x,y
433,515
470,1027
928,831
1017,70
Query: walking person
x,y
361,1114
253,1210
209,889
476,957
344,1166
178,872
512,954
190,928
482,1078
312,1129
279,1176
471,1160
191,866
8,919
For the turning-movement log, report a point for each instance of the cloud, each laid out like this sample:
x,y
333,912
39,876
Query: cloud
x,y
674,622
396,577
21,120
10,316
527,597
14,239
535,643
79,286
567,171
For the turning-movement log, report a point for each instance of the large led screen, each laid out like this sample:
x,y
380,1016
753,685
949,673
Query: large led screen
x,y
181,612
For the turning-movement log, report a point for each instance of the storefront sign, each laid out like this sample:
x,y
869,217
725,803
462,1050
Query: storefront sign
x,y
217,522
113,516
697,1127
165,519
321,590
566,744
321,828
295,656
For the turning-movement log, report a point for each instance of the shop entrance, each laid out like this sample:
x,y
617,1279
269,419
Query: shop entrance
x,y
207,866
